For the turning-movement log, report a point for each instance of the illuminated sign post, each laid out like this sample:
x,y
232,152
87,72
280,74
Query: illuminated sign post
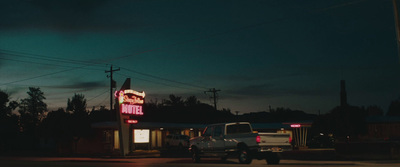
x,y
130,103
295,125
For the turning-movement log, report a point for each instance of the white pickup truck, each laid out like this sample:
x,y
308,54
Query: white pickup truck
x,y
238,140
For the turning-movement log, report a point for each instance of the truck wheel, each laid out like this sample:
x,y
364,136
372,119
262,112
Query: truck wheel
x,y
273,159
195,155
244,157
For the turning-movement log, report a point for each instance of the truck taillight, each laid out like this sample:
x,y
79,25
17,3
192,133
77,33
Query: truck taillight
x,y
258,139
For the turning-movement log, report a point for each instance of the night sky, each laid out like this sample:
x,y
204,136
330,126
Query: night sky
x,y
259,53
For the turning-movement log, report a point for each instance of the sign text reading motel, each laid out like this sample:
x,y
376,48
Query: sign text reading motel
x,y
130,101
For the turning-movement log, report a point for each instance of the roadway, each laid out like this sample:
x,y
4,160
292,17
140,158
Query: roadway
x,y
172,162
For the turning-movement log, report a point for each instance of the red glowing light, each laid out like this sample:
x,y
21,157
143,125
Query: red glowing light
x,y
136,93
258,139
129,96
131,121
132,100
131,109
295,125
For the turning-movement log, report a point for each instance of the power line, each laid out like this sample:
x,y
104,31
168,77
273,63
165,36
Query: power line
x,y
87,63
155,82
84,67
48,74
46,58
39,76
69,61
98,95
105,98
164,79
46,64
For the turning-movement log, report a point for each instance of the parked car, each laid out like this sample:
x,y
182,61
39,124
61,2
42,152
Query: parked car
x,y
177,140
239,140
321,141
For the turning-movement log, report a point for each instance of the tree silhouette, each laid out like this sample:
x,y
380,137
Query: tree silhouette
x,y
192,101
175,101
342,121
281,114
57,125
77,105
5,105
176,110
394,108
102,115
374,111
33,105
31,111
80,120
8,122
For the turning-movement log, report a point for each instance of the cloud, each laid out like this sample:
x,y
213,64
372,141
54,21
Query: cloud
x,y
250,90
64,15
271,90
87,86
16,91
1,59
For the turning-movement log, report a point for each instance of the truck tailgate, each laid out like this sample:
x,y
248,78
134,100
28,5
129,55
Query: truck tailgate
x,y
274,139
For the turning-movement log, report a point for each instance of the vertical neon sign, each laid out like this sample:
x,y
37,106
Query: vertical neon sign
x,y
130,103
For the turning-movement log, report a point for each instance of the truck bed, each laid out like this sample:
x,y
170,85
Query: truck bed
x,y
276,142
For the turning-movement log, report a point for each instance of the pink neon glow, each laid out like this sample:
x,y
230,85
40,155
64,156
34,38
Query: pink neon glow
x,y
136,93
121,97
131,109
132,100
130,96
131,121
295,125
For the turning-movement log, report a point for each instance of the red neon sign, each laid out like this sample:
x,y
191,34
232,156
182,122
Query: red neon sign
x,y
295,125
130,101
131,121
130,97
131,109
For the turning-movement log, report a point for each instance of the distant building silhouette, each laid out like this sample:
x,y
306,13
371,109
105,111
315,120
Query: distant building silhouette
x,y
343,94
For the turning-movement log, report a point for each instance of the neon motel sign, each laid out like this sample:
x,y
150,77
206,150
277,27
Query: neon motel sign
x,y
295,125
130,103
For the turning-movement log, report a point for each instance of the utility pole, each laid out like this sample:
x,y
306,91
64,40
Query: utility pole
x,y
112,85
397,24
214,91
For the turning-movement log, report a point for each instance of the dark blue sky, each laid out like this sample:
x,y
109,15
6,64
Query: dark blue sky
x,y
259,53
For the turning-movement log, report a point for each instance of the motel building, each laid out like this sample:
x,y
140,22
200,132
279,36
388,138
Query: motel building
x,y
144,135
152,135
127,134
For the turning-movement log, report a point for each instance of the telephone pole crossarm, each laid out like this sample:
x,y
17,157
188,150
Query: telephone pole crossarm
x,y
214,91
112,85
